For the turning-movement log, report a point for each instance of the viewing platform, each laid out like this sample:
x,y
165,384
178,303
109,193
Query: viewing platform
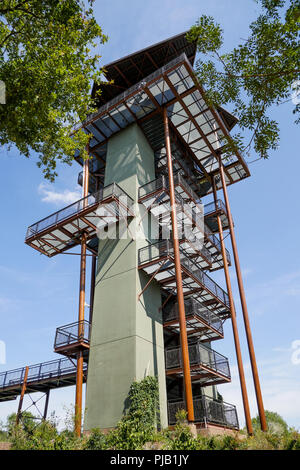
x,y
63,229
71,338
201,323
207,411
207,366
203,132
157,260
41,377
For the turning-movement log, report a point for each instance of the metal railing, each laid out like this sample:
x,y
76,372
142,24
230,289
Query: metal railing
x,y
42,371
216,242
112,190
199,355
164,249
72,333
207,410
212,207
193,307
163,183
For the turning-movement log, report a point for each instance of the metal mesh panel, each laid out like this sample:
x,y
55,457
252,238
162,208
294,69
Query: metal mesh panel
x,y
207,409
212,207
154,251
78,206
164,248
198,354
193,307
37,372
72,333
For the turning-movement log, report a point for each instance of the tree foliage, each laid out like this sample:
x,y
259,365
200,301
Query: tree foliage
x,y
138,425
27,422
47,66
275,423
255,75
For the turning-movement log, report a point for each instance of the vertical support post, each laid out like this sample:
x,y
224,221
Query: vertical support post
x,y
46,404
79,371
258,393
182,319
24,386
234,323
92,289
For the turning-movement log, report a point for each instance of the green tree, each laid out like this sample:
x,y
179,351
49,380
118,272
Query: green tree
x,y
27,422
47,66
138,425
257,74
275,422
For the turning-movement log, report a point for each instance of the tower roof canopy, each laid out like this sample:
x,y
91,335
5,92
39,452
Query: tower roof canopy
x,y
131,69
201,131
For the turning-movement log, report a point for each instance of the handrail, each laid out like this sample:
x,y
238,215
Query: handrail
x,y
72,333
50,369
164,248
194,307
162,182
208,410
78,206
198,354
219,205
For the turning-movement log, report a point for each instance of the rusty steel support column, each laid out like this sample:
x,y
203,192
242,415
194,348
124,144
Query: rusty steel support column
x,y
234,323
24,386
46,404
258,393
92,288
79,371
180,298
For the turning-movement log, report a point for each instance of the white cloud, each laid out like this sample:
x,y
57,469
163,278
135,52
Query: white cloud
x,y
58,197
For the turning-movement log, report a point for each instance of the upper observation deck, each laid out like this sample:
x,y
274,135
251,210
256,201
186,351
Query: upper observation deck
x,y
41,377
199,133
128,70
63,229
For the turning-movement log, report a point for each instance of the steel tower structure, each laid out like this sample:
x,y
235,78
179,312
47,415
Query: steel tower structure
x,y
157,151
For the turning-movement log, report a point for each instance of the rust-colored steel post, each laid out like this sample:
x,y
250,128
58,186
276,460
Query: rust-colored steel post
x,y
23,390
79,371
92,288
234,323
182,320
258,393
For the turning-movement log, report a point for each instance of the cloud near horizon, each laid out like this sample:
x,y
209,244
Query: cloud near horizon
x,y
53,196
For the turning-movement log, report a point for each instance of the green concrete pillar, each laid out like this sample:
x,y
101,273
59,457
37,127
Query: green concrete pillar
x,y
127,334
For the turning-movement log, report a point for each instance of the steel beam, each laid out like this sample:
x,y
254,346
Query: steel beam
x,y
24,386
182,319
79,371
234,323
257,387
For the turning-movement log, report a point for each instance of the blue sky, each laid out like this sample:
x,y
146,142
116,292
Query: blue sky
x,y
38,294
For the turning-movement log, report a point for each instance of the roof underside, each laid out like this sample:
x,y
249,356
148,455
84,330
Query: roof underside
x,y
199,132
131,69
